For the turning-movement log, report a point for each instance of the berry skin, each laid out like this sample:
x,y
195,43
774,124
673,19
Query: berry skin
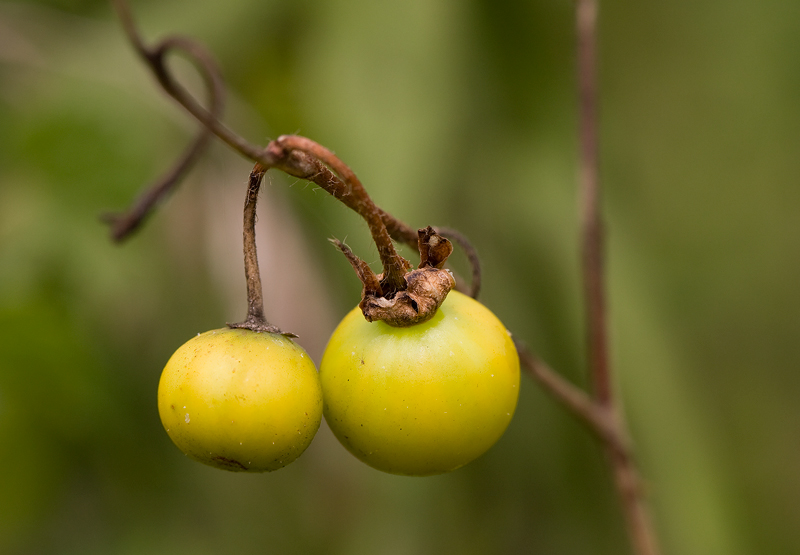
x,y
424,399
240,400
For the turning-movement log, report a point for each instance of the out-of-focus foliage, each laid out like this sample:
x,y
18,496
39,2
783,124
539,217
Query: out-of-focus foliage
x,y
453,113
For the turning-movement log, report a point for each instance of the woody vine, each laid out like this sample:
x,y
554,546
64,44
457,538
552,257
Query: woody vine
x,y
401,296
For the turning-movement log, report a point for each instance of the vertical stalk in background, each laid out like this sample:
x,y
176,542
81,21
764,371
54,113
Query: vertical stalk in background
x,y
593,240
626,474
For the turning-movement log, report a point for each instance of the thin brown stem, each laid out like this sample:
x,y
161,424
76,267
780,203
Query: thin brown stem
x,y
399,231
356,197
124,224
571,396
154,58
637,515
289,156
593,247
403,233
255,301
605,423
365,274
626,474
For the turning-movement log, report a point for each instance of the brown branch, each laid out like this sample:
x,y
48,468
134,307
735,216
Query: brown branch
x,y
124,224
637,515
605,423
403,233
398,230
571,396
626,474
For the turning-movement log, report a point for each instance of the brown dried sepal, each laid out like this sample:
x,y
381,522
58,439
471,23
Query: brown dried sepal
x,y
433,248
425,290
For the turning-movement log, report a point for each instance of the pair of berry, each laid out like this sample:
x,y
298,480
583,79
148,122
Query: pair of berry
x,y
418,400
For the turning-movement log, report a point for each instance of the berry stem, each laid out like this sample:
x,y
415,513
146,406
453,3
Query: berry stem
x,y
255,320
255,299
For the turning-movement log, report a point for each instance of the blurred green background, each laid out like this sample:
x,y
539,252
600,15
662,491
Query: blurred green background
x,y
456,113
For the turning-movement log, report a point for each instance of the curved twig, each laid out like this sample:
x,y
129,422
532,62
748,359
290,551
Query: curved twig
x,y
124,224
174,89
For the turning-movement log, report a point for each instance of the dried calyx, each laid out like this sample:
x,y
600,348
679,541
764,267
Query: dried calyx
x,y
425,287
